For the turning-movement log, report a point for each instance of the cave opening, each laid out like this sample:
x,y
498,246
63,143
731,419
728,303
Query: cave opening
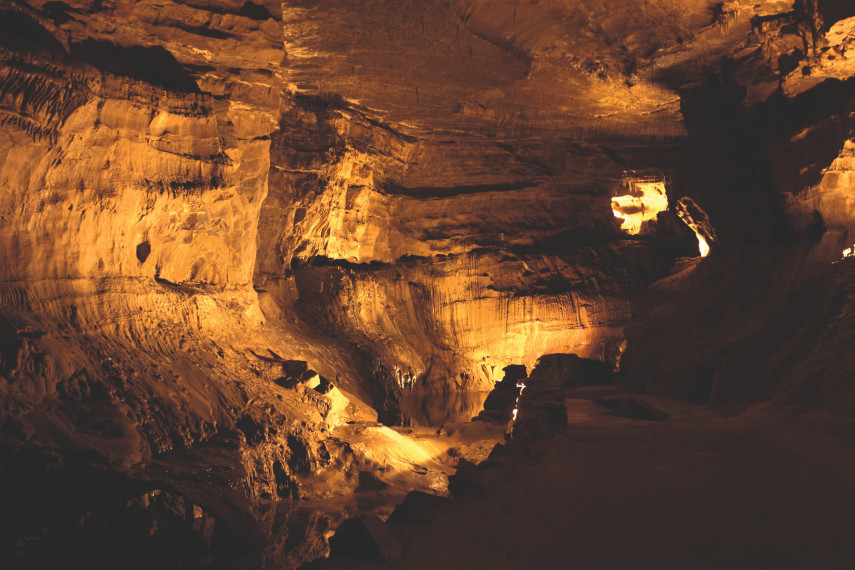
x,y
646,198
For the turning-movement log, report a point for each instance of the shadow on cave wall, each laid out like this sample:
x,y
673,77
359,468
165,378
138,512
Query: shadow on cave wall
x,y
61,511
150,64
743,159
733,328
21,32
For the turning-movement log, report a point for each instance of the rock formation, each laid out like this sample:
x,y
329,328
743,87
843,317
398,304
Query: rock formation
x,y
235,232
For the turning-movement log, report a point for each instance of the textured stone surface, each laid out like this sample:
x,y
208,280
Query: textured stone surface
x,y
763,319
470,235
135,147
202,201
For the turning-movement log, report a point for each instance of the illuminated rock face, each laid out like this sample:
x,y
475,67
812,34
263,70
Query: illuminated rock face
x,y
465,206
414,249
195,196
114,176
135,154
644,201
120,167
459,321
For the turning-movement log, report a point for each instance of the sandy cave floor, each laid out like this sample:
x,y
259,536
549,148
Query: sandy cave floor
x,y
697,491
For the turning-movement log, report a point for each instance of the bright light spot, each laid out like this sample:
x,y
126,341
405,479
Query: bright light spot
x,y
644,201
521,386
620,350
698,221
848,252
703,246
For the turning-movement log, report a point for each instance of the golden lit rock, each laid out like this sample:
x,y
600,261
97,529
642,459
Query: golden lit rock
x,y
263,261
698,221
644,201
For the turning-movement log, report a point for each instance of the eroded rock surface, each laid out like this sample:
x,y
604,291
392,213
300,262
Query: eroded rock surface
x,y
760,319
203,202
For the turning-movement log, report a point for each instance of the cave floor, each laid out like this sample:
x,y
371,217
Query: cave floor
x,y
697,491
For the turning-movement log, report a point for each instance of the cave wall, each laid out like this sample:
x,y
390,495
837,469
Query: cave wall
x,y
200,198
761,317
450,259
131,183
452,202
135,154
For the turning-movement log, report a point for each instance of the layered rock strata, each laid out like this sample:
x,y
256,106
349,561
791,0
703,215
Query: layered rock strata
x,y
142,386
198,195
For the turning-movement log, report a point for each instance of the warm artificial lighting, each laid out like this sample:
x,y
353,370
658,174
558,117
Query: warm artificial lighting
x,y
849,251
644,201
407,379
698,221
521,386
703,246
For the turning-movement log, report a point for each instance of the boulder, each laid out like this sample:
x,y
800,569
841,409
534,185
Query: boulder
x,y
365,538
571,370
502,400
540,410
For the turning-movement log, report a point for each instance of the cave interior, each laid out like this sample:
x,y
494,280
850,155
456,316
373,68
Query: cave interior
x,y
422,284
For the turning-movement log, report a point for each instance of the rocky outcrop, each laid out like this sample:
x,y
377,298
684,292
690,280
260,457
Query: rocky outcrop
x,y
461,240
755,321
136,361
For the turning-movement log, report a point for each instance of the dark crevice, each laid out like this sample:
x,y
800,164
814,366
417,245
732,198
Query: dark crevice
x,y
393,188
151,64
21,32
204,31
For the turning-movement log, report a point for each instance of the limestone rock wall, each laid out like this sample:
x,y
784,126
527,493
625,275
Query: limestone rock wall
x,y
457,322
127,175
449,258
761,319
449,209
115,176
200,198
134,356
